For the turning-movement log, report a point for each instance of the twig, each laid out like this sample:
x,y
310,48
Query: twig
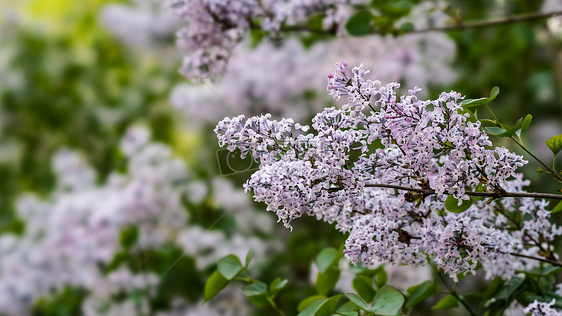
x,y
456,27
552,262
471,193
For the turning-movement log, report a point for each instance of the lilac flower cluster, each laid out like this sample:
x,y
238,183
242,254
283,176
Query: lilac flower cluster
x,y
335,173
214,27
542,309
74,233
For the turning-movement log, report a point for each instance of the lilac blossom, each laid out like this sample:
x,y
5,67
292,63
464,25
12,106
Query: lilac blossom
x,y
215,27
423,59
405,141
72,234
542,309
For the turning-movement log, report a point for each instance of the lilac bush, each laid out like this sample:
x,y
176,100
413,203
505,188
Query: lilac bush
x,y
410,180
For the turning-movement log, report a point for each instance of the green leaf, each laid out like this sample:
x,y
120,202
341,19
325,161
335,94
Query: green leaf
x,y
214,285
475,103
229,266
276,286
315,21
307,301
420,293
358,301
407,27
363,286
129,236
494,130
381,278
326,258
256,36
557,208
447,302
360,23
388,301
249,257
326,281
526,122
452,204
348,307
494,93
256,293
324,308
555,144
490,290
509,287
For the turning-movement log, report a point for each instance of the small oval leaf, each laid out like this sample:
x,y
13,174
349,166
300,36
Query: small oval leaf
x,y
214,285
360,23
447,302
229,266
452,204
555,144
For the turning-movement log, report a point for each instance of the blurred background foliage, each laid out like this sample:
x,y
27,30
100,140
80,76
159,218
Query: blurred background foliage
x,y
66,82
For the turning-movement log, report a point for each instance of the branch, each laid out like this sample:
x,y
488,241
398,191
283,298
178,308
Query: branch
x,y
546,260
471,193
485,23
456,27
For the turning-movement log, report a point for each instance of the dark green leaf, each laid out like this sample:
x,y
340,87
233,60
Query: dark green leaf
x,y
447,302
229,266
509,287
129,236
420,293
326,281
555,144
214,285
364,287
557,208
452,204
381,278
407,27
490,290
360,23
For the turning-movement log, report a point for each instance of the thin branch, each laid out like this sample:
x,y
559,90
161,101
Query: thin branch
x,y
471,193
456,27
552,262
492,22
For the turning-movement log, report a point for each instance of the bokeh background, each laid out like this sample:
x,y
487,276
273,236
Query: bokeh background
x,y
114,196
